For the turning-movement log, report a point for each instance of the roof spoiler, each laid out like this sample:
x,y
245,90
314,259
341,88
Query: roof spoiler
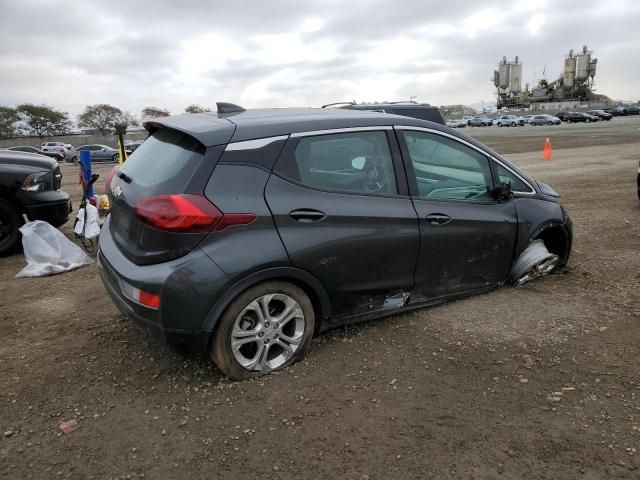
x,y
224,107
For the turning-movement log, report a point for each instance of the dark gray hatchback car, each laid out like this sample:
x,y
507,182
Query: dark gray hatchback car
x,y
244,233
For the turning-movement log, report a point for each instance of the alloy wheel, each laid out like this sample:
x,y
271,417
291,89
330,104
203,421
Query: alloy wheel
x,y
267,332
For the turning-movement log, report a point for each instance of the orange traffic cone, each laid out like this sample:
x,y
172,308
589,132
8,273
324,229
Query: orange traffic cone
x,y
546,152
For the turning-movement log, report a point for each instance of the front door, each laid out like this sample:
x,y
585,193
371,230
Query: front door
x,y
344,218
467,236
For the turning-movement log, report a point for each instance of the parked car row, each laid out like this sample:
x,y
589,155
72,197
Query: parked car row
x,y
510,120
624,111
65,152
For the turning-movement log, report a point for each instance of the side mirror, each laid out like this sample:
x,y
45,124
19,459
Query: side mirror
x,y
502,192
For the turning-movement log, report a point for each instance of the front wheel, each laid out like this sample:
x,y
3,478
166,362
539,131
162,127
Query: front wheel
x,y
115,157
10,223
266,328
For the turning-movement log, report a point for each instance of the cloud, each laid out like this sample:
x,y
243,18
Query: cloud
x,y
132,53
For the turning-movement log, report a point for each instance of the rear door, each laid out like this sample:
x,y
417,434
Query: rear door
x,y
341,205
467,237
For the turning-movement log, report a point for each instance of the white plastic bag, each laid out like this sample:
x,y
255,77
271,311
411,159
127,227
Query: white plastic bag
x,y
48,251
92,230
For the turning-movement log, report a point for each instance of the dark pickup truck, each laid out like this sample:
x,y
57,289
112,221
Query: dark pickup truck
x,y
29,185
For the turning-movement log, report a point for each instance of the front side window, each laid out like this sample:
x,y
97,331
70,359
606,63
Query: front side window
x,y
353,162
447,169
506,176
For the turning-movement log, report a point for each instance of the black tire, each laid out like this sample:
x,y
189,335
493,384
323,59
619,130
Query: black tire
x,y
513,124
549,122
533,124
499,124
75,160
115,157
220,345
10,222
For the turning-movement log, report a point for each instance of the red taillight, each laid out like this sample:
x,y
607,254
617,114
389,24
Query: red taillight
x,y
187,213
231,219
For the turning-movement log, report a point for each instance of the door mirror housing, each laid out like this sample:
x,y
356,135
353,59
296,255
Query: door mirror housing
x,y
502,192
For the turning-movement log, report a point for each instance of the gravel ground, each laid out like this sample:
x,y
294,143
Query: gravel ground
x,y
540,381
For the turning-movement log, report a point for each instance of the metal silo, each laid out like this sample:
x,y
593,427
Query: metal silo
x,y
515,82
503,73
568,79
584,65
592,68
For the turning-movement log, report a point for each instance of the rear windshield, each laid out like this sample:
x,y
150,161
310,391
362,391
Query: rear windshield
x,y
165,162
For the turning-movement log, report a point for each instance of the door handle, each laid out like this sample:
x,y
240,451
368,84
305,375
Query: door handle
x,y
438,218
307,215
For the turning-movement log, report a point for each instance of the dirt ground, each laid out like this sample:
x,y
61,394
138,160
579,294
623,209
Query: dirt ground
x,y
540,381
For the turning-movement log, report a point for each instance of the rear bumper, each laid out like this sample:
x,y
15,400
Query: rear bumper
x,y
179,340
188,288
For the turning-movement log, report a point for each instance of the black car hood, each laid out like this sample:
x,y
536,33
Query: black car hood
x,y
12,157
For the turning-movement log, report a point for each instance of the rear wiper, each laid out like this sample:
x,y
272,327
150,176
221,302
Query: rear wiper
x,y
124,176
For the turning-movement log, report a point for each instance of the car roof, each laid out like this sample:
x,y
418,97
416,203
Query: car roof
x,y
215,129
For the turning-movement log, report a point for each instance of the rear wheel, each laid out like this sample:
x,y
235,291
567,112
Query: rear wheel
x,y
10,223
499,124
549,122
115,157
266,328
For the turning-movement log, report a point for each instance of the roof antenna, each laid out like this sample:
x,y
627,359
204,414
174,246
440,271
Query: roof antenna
x,y
224,107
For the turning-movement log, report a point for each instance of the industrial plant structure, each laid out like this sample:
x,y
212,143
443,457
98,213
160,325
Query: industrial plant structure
x,y
574,85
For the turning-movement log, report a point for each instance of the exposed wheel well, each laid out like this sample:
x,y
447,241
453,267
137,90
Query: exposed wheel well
x,y
316,294
556,241
311,293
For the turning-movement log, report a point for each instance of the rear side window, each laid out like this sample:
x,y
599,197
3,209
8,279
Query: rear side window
x,y
354,162
165,162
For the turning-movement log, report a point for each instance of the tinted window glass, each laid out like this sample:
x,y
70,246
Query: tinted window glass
x,y
355,162
165,162
447,169
506,176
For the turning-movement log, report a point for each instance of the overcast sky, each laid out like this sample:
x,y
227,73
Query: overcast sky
x,y
137,53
